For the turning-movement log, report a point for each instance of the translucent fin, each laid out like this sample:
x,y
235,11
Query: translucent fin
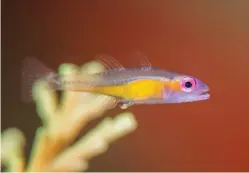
x,y
143,60
109,62
32,71
126,105
138,59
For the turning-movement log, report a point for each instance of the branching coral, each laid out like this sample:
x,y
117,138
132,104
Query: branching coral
x,y
62,122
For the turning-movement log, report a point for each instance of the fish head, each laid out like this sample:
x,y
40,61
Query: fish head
x,y
185,89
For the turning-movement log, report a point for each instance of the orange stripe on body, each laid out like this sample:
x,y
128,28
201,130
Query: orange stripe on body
x,y
174,85
139,89
135,90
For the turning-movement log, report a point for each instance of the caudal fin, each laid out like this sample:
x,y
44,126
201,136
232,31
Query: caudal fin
x,y
32,71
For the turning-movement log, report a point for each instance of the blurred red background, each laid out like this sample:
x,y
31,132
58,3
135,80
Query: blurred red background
x,y
208,39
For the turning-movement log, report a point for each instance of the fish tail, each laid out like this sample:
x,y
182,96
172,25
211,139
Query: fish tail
x,y
32,71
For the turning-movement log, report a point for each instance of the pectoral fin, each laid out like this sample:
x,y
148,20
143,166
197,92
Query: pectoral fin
x,y
125,105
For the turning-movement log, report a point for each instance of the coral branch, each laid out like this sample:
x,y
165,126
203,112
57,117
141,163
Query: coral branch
x,y
63,122
96,141
13,142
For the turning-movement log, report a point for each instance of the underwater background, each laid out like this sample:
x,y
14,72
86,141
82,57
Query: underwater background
x,y
208,39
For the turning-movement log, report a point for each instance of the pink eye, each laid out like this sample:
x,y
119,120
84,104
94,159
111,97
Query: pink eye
x,y
188,84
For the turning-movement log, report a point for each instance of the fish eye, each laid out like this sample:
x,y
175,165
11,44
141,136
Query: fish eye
x,y
188,84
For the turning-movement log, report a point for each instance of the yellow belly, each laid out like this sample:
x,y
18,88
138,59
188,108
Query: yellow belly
x,y
136,90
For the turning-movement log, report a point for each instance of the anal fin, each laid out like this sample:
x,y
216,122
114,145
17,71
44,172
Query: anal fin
x,y
126,105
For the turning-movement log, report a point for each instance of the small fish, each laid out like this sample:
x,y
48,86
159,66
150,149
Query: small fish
x,y
141,85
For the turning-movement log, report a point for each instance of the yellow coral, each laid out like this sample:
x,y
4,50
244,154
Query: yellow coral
x,y
62,123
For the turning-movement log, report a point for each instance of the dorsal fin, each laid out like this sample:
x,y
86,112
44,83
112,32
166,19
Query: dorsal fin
x,y
109,62
139,60
143,60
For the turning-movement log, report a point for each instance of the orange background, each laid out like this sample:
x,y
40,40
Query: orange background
x,y
208,39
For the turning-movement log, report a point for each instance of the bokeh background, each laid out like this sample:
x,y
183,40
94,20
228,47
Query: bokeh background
x,y
205,38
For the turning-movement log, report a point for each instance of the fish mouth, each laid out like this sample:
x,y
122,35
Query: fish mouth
x,y
204,95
